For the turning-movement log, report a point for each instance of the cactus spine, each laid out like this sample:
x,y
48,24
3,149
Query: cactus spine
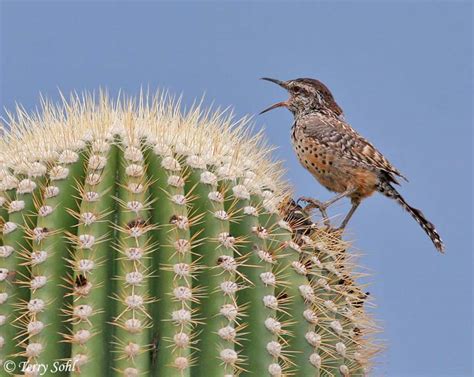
x,y
140,241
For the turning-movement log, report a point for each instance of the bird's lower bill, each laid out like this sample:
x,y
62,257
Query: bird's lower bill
x,y
279,104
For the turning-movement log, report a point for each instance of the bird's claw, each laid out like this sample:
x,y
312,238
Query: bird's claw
x,y
311,203
314,203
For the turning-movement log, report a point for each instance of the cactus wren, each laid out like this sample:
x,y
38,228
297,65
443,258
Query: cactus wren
x,y
336,155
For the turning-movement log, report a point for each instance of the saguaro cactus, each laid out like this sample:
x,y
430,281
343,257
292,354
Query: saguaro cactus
x,y
137,240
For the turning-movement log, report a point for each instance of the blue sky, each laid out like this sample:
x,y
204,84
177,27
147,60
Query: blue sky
x,y
402,72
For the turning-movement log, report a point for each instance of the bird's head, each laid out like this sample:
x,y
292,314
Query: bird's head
x,y
306,95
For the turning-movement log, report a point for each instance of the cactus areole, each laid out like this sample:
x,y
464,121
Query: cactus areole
x,y
137,240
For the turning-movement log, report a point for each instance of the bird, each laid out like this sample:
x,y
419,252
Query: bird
x,y
338,157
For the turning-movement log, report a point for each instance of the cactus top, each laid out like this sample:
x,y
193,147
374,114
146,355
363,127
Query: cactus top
x,y
202,137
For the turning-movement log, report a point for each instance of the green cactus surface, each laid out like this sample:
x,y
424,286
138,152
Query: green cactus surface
x,y
137,240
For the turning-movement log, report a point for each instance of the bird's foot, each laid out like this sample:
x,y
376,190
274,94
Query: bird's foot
x,y
314,203
311,203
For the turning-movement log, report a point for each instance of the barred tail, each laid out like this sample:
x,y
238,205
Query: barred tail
x,y
388,190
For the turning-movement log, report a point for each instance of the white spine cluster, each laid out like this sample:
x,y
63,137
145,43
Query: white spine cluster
x,y
310,316
3,297
88,218
16,206
26,186
196,162
268,278
336,326
208,178
9,227
299,267
45,210
86,241
136,188
241,192
133,154
307,292
249,210
273,325
315,360
6,251
37,257
226,240
97,162
270,302
51,192
274,348
182,246
221,215
344,370
171,164
261,232
313,338
58,173
265,256
175,181
216,196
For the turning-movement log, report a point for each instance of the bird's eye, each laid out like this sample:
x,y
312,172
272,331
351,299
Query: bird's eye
x,y
296,90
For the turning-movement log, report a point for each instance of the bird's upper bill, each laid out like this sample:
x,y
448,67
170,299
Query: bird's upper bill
x,y
284,85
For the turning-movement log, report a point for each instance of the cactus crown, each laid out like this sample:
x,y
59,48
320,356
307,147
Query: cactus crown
x,y
213,135
137,240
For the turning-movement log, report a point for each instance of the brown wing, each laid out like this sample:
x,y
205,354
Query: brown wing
x,y
336,134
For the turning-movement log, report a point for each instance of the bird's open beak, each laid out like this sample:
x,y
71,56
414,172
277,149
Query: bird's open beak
x,y
284,85
279,104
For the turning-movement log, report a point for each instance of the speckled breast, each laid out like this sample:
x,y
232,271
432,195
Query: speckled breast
x,y
318,160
